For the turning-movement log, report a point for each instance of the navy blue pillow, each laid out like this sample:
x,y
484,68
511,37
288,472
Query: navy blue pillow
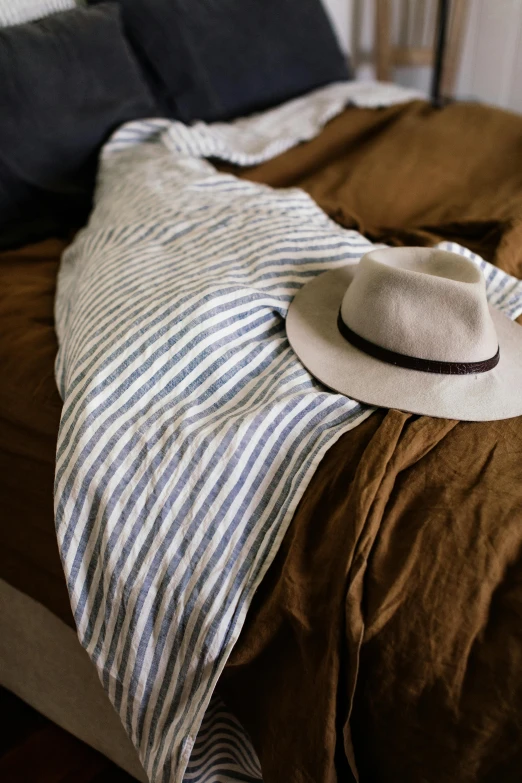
x,y
66,82
217,59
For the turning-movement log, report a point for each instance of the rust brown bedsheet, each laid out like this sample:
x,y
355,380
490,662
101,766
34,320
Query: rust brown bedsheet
x,y
386,639
30,408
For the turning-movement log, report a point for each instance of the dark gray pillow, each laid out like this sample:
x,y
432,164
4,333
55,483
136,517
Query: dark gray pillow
x,y
217,59
66,82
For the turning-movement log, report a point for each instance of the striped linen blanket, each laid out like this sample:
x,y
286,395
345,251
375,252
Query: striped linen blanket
x,y
190,430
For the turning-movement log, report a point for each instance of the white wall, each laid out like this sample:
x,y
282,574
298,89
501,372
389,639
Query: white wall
x,y
340,12
492,56
491,63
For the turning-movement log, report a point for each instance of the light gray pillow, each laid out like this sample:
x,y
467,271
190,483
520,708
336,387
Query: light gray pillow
x,y
19,11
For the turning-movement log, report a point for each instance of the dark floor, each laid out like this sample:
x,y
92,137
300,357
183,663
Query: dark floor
x,y
34,750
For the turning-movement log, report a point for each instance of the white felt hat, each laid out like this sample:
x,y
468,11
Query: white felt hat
x,y
410,328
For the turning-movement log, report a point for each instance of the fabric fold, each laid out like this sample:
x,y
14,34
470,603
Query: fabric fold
x,y
190,431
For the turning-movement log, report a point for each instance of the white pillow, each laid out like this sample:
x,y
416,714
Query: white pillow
x,y
18,11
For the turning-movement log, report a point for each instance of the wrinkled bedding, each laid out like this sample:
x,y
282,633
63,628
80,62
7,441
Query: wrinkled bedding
x,y
388,632
385,639
190,429
30,408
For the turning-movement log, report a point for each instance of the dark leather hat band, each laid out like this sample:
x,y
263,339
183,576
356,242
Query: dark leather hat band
x,y
410,362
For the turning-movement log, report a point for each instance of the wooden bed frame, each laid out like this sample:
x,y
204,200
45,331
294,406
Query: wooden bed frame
x,y
425,39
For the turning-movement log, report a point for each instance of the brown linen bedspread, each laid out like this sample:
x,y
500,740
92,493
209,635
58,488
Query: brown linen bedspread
x,y
30,408
393,612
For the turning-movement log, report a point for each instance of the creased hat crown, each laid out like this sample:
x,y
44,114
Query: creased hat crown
x,y
427,305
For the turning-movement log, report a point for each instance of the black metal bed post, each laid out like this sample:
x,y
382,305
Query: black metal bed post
x,y
440,47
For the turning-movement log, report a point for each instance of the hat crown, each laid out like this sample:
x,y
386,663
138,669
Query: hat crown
x,y
423,303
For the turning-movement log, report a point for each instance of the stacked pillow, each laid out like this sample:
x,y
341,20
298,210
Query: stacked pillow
x,y
66,82
71,78
218,59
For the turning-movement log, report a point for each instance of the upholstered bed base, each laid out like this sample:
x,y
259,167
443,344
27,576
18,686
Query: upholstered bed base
x,y
42,662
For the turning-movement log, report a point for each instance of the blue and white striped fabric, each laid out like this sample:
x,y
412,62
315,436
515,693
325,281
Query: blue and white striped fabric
x,y
222,751
190,430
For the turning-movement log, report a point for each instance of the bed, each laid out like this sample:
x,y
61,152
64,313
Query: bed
x,y
244,576
384,641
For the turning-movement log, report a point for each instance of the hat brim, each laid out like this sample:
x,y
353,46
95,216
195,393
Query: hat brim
x,y
311,326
